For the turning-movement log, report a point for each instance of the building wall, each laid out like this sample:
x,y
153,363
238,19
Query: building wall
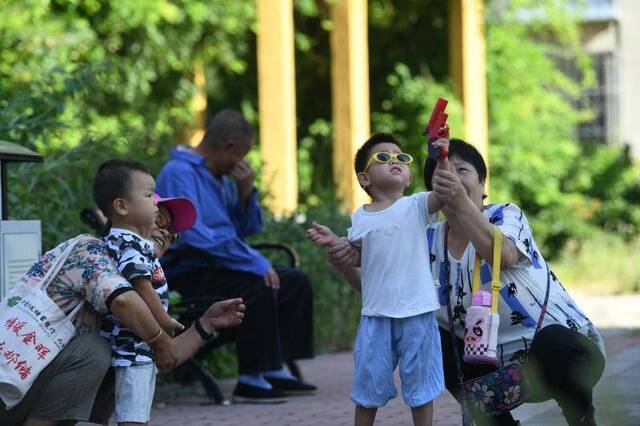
x,y
600,36
611,35
628,57
600,40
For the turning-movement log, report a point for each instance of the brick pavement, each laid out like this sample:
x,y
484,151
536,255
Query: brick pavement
x,y
330,406
616,398
617,395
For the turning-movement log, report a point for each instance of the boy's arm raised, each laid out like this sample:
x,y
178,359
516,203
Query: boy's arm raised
x,y
435,203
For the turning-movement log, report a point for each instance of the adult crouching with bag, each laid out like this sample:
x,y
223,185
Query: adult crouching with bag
x,y
546,346
75,282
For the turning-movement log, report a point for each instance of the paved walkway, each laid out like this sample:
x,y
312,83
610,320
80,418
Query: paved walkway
x,y
617,395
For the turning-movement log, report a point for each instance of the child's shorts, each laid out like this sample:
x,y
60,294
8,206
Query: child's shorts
x,y
381,343
135,387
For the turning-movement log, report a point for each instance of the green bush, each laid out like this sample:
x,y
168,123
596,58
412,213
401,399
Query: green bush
x,y
55,191
337,306
569,190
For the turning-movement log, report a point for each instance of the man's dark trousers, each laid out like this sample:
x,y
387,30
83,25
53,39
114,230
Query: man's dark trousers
x,y
278,325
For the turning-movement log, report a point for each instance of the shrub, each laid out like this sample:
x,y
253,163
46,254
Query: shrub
x,y
337,306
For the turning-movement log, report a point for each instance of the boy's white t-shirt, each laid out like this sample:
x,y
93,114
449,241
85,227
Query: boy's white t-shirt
x,y
396,278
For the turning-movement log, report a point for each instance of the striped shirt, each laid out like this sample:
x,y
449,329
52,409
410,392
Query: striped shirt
x,y
135,258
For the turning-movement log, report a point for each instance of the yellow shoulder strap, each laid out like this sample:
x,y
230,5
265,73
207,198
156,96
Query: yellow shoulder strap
x,y
495,282
476,275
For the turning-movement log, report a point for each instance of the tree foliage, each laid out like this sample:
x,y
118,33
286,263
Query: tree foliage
x,y
140,54
85,80
570,190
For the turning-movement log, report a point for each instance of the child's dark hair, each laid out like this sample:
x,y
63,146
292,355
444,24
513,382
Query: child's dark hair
x,y
363,154
462,150
113,180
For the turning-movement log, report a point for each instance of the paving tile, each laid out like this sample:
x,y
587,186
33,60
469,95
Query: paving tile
x,y
616,397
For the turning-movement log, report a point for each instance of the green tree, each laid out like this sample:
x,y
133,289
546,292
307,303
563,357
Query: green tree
x,y
83,80
568,189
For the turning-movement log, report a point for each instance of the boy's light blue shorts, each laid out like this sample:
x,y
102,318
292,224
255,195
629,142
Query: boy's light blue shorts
x,y
135,387
382,343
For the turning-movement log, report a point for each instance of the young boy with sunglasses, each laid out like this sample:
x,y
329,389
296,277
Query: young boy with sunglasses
x,y
399,299
124,192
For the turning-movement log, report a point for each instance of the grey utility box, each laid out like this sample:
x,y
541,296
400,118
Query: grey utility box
x,y
20,240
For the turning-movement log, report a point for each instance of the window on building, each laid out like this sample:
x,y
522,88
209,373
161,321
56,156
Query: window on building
x,y
603,101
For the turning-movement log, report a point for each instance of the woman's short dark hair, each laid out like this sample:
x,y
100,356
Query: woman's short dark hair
x,y
465,152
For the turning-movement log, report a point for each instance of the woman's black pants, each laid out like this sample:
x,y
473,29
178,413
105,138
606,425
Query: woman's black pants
x,y
563,364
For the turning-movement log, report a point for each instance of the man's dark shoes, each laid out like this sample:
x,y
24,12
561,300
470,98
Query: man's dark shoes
x,y
291,386
257,395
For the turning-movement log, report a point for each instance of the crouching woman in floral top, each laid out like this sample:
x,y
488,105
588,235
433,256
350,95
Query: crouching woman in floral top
x,y
73,386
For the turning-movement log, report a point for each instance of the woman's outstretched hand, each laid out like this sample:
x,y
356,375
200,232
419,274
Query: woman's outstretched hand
x,y
226,313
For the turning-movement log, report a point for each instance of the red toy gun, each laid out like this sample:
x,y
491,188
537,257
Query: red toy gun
x,y
437,128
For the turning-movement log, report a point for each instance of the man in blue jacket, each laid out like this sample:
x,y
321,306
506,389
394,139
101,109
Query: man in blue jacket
x,y
212,258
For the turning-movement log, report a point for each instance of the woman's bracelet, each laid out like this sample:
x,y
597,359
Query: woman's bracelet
x,y
201,331
154,338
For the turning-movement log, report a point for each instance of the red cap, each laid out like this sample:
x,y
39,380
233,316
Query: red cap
x,y
183,212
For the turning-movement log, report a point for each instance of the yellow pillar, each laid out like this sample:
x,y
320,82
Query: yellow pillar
x,y
469,69
198,106
277,104
350,95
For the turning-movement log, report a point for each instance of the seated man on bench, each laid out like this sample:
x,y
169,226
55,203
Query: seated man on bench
x,y
212,259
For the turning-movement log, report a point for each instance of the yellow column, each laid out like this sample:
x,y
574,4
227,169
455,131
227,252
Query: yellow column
x,y
350,95
198,106
277,104
469,68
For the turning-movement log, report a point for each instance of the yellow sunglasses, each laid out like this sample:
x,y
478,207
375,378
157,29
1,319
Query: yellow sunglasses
x,y
385,157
